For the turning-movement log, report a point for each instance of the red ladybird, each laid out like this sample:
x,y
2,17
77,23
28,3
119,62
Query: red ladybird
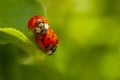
x,y
45,37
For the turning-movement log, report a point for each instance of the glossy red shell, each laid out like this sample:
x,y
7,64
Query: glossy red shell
x,y
34,21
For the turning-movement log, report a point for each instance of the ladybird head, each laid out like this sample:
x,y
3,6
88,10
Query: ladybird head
x,y
52,50
38,23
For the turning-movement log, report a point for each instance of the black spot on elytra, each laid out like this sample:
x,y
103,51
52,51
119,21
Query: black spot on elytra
x,y
48,39
47,45
52,36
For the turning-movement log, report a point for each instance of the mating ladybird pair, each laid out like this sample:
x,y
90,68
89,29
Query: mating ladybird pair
x,y
45,37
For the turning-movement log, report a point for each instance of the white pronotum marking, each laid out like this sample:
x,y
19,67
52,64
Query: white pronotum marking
x,y
50,52
46,26
38,30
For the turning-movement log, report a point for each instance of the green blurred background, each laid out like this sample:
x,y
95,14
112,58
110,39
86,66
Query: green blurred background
x,y
89,41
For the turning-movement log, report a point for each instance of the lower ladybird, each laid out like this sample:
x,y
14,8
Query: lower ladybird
x,y
45,36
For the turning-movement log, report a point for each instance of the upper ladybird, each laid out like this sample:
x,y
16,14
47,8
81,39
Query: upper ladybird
x,y
33,22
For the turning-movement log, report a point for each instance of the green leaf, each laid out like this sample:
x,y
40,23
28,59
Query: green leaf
x,y
12,36
14,16
13,32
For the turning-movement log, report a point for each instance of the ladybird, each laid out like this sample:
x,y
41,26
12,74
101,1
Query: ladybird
x,y
44,35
